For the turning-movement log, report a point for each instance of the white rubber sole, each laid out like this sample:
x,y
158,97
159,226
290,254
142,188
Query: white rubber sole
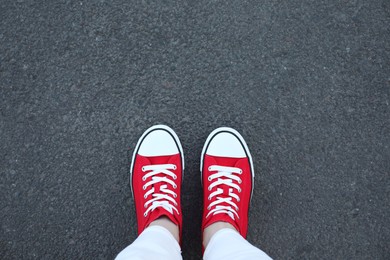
x,y
149,130
242,141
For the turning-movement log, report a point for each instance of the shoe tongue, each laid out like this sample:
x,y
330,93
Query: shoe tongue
x,y
157,186
169,159
225,190
161,211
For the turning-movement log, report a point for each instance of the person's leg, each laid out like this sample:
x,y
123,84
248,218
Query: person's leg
x,y
155,242
227,178
227,243
155,179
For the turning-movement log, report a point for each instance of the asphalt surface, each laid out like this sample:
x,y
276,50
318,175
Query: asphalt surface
x,y
307,83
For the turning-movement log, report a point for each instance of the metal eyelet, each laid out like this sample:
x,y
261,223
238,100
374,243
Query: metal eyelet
x,y
209,188
143,178
240,171
145,214
239,181
174,177
144,187
145,206
209,198
145,196
239,190
174,186
209,178
209,168
143,169
174,167
208,208
174,195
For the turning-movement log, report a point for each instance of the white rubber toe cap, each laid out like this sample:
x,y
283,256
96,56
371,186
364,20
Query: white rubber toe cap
x,y
226,144
158,142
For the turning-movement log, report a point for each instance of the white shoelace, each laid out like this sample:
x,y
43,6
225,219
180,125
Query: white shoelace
x,y
224,176
161,197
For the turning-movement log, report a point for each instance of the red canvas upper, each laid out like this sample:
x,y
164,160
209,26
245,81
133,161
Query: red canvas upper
x,y
138,185
240,222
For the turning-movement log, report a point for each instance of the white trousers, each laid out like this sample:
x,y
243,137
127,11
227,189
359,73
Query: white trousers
x,y
156,242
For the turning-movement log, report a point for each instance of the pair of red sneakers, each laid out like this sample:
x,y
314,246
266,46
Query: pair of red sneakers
x,y
227,174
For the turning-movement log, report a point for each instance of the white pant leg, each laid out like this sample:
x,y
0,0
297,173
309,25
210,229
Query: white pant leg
x,y
228,244
154,242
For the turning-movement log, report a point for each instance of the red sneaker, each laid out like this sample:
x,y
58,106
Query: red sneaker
x,y
155,176
227,178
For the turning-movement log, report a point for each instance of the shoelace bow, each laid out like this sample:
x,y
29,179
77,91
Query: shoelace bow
x,y
224,176
164,197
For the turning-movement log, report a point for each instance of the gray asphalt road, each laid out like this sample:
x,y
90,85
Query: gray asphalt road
x,y
307,83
